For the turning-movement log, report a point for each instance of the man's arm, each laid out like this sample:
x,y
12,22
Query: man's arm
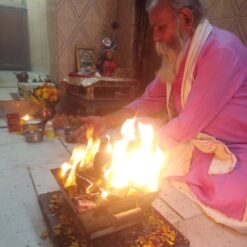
x,y
117,118
152,101
149,103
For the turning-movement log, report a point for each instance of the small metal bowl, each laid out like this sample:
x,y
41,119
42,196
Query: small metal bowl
x,y
34,136
33,125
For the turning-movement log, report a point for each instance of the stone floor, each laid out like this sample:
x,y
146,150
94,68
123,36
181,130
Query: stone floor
x,y
25,173
21,220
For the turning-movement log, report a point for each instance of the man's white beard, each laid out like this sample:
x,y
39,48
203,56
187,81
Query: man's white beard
x,y
171,59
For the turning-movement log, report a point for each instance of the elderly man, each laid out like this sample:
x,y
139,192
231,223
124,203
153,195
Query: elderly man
x,y
203,84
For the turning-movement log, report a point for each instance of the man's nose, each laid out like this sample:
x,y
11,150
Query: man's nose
x,y
156,36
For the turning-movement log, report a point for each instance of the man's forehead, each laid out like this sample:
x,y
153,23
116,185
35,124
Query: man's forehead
x,y
160,14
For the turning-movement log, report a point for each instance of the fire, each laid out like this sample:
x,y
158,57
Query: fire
x,y
65,168
137,163
82,156
26,117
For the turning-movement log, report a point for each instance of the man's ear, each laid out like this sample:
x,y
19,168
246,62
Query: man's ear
x,y
187,19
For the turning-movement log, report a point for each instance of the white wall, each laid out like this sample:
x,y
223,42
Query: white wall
x,y
38,40
38,36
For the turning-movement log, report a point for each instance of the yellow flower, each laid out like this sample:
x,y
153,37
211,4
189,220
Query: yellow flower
x,y
38,92
45,95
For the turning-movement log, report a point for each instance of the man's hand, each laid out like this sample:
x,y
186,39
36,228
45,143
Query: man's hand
x,y
98,125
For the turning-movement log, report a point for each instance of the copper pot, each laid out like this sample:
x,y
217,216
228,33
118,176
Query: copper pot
x,y
21,76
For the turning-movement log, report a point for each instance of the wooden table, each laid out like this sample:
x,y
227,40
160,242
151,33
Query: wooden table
x,y
84,105
104,96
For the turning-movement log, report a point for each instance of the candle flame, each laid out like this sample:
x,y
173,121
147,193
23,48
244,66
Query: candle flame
x,y
26,117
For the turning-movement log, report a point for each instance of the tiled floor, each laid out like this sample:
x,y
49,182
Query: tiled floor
x,y
21,222
20,214
25,173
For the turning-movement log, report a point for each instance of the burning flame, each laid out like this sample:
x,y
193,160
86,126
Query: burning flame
x,y
26,117
82,156
65,168
137,161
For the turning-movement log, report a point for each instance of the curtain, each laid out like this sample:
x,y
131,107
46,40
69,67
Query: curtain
x,y
141,41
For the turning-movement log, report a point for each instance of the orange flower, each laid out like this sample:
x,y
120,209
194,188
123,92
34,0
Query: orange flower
x,y
44,94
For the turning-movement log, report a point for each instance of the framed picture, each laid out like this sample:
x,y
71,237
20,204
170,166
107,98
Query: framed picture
x,y
85,59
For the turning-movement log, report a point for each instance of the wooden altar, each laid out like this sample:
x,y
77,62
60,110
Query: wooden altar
x,y
97,95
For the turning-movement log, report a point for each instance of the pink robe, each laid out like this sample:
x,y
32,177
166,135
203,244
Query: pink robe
x,y
216,105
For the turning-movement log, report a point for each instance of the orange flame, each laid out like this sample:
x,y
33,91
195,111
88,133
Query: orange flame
x,y
26,117
139,166
137,161
82,156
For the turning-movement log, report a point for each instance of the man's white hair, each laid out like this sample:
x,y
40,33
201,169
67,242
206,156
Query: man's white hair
x,y
194,5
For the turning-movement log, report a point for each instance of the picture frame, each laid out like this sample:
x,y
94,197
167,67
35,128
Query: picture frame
x,y
85,59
